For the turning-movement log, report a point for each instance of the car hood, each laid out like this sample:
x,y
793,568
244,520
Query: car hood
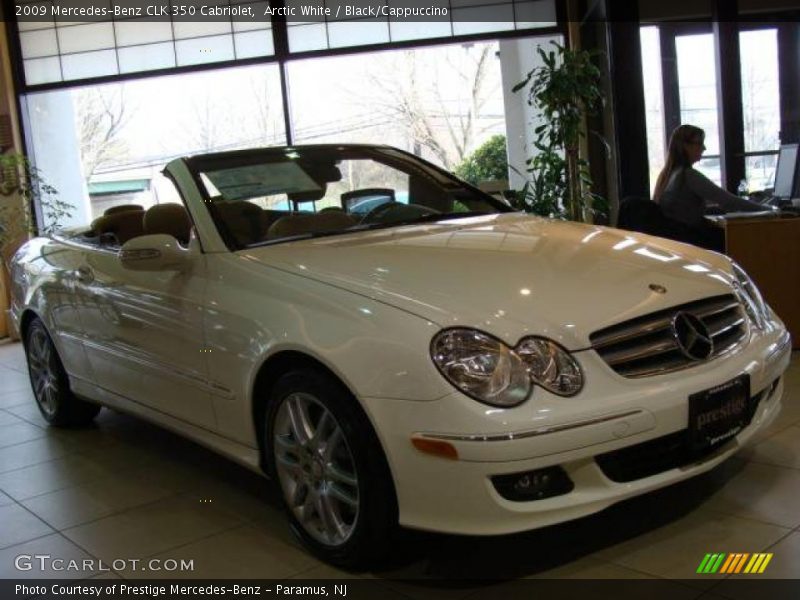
x,y
510,275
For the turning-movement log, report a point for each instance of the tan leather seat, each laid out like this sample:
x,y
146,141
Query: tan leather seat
x,y
171,219
122,226
243,219
300,223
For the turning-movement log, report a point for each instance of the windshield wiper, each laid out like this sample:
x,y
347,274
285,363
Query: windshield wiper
x,y
434,217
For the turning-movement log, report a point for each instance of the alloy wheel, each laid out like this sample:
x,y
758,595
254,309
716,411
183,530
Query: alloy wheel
x,y
316,469
43,371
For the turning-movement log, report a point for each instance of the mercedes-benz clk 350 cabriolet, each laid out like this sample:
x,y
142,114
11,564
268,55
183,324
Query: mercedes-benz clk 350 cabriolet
x,y
393,346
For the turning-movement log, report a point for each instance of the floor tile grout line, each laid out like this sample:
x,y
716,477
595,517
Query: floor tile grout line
x,y
37,517
717,511
773,544
36,464
116,513
23,442
193,541
70,453
795,423
28,421
780,539
788,532
59,489
33,539
23,388
251,522
170,496
100,518
769,464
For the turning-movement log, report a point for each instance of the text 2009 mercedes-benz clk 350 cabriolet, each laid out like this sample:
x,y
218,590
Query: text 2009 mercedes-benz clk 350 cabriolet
x,y
393,346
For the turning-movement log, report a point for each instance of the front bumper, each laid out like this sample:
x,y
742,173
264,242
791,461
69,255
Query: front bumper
x,y
457,496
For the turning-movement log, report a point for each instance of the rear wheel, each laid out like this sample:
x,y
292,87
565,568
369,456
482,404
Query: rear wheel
x,y
334,480
50,382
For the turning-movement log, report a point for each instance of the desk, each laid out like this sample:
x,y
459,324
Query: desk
x,y
769,250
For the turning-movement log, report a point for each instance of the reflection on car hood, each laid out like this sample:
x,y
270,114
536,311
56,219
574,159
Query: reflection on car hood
x,y
510,275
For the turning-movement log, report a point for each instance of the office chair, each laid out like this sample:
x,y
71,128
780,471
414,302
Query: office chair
x,y
645,216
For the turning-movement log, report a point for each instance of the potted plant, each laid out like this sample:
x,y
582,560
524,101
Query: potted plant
x,y
22,187
564,90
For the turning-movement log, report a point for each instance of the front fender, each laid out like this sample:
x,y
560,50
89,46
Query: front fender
x,y
255,312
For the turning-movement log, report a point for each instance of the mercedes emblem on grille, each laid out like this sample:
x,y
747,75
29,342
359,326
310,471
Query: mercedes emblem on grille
x,y
692,336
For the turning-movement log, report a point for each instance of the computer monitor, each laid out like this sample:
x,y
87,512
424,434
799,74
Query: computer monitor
x,y
786,180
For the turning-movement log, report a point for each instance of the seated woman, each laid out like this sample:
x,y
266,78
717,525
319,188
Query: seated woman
x,y
683,192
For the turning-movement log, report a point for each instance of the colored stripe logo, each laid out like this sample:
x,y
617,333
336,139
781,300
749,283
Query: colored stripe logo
x,y
741,562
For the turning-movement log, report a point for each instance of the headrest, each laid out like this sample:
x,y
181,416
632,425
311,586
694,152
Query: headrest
x,y
242,219
123,208
124,225
171,219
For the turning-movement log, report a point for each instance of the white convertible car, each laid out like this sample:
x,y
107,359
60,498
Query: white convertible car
x,y
392,346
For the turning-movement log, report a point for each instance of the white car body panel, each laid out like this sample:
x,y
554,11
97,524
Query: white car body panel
x,y
184,348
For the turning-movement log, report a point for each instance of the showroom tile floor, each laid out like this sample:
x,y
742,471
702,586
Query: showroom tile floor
x,y
126,489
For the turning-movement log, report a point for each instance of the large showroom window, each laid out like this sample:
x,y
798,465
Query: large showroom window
x,y
654,101
697,79
761,105
464,17
69,51
440,102
124,133
689,79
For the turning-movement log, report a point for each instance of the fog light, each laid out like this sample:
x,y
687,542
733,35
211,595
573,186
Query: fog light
x,y
533,485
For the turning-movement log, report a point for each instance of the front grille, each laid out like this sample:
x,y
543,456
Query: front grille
x,y
645,346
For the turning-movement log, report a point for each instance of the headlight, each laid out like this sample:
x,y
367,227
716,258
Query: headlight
x,y
481,366
487,370
753,302
550,366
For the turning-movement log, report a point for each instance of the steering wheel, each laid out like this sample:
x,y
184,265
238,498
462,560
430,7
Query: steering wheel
x,y
380,212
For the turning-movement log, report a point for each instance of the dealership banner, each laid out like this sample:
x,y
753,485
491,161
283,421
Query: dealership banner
x,y
369,589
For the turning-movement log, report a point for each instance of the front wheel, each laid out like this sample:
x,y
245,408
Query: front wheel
x,y
334,480
50,383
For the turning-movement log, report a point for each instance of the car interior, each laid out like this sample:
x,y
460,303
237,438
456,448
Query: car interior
x,y
121,223
258,201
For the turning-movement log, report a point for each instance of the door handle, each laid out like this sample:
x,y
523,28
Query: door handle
x,y
83,274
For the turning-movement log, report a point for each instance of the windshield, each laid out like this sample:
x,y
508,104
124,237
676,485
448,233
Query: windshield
x,y
283,194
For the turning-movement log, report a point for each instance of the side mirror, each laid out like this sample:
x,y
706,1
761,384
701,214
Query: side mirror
x,y
156,252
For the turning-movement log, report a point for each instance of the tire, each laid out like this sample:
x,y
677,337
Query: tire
x,y
334,480
50,383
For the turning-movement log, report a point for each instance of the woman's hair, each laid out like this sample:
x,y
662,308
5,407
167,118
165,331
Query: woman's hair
x,y
676,154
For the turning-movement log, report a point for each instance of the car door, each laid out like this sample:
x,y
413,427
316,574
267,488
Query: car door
x,y
144,334
60,303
